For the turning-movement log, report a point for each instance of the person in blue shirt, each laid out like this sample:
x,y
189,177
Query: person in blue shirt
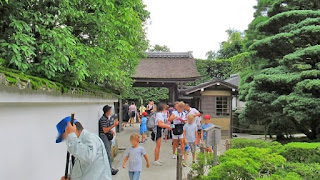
x,y
143,127
207,124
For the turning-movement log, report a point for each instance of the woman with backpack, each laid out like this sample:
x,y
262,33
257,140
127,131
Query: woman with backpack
x,y
157,132
132,113
178,118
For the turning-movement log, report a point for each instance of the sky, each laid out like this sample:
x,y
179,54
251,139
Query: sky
x,y
196,25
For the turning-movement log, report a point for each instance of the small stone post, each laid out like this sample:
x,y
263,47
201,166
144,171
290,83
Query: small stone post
x,y
189,176
227,144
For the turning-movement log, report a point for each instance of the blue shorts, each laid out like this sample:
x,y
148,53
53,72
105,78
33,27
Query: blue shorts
x,y
143,128
134,175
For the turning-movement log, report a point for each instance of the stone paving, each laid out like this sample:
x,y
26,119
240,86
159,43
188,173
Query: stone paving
x,y
165,172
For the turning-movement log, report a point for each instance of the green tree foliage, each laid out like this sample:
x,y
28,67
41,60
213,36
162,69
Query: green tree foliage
x,y
233,46
159,48
211,55
231,58
144,94
282,87
222,68
74,41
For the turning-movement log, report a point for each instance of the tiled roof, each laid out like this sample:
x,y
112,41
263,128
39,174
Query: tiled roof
x,y
234,79
214,81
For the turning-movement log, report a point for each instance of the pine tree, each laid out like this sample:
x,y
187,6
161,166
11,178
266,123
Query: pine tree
x,y
283,88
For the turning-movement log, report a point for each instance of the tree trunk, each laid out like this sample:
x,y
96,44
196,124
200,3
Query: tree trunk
x,y
314,131
311,135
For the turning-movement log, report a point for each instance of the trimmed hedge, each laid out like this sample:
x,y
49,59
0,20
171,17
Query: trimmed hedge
x,y
264,160
246,163
239,143
301,152
294,152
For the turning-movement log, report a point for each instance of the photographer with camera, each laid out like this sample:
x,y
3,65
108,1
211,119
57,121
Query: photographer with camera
x,y
106,124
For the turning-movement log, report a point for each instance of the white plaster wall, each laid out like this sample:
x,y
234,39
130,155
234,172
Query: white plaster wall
x,y
237,104
28,131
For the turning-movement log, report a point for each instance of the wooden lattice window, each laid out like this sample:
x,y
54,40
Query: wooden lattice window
x,y
222,106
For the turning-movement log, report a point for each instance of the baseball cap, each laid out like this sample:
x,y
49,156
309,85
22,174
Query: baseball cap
x,y
61,127
144,114
106,108
207,116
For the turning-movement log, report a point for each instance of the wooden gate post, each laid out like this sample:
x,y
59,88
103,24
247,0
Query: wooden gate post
x,y
179,164
215,155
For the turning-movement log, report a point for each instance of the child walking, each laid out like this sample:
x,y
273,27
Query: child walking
x,y
206,125
190,132
134,155
143,127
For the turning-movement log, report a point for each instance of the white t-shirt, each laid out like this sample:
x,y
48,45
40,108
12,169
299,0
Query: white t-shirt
x,y
190,130
165,116
179,115
197,120
192,111
159,117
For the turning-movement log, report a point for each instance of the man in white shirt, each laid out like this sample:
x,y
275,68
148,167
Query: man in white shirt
x,y
195,112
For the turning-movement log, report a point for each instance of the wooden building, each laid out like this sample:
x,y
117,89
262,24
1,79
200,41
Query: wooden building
x,y
213,98
166,69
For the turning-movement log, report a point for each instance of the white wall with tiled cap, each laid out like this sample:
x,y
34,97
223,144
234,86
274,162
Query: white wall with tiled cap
x,y
28,132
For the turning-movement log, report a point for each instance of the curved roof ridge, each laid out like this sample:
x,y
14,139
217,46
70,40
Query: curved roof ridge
x,y
169,54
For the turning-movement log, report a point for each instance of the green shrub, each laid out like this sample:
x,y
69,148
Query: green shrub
x,y
244,168
1,61
283,176
301,152
267,161
239,143
247,163
306,171
203,161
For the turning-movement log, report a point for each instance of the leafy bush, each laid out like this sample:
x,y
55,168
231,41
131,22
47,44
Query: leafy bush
x,y
244,168
248,163
282,176
306,171
267,161
301,152
239,143
204,161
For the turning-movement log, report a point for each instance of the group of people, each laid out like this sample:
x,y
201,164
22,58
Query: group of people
x,y
92,153
185,124
130,112
179,122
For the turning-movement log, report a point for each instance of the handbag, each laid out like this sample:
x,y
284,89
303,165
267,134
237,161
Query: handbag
x,y
109,136
178,129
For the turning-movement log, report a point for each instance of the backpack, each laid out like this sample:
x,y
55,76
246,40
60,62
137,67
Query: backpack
x,y
151,123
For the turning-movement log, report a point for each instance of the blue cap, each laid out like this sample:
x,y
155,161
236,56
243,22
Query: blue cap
x,y
61,127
